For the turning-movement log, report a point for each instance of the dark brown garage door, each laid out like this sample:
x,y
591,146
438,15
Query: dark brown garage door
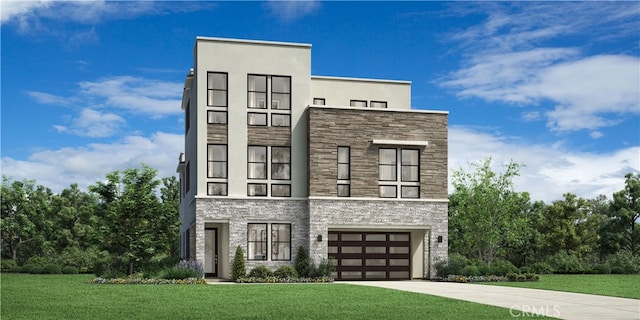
x,y
370,255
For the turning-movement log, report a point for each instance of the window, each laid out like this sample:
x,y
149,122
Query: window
x,y
271,165
256,119
378,104
216,117
280,163
257,92
281,93
319,101
216,89
344,171
217,161
257,241
359,103
280,241
187,177
187,117
272,94
217,188
257,163
279,248
408,171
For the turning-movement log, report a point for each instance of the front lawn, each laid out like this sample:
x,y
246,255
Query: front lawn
x,y
72,297
615,285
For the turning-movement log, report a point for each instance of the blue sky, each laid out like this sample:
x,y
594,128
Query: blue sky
x,y
92,87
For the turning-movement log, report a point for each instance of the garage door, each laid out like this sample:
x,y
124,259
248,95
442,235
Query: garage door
x,y
370,255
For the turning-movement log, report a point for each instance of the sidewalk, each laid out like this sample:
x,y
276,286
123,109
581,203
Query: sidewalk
x,y
523,302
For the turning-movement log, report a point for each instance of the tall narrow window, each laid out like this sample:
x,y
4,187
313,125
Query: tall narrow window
x,y
280,241
217,161
344,171
280,163
281,93
257,241
257,92
257,162
388,165
187,117
216,89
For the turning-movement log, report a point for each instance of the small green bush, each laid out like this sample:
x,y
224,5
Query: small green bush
x,y
184,269
526,269
260,271
51,269
457,262
6,265
470,270
32,269
324,269
303,263
70,270
502,267
542,268
16,269
286,271
442,268
623,262
38,261
238,268
562,262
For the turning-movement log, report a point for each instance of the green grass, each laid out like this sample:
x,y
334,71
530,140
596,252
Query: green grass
x,y
71,297
615,285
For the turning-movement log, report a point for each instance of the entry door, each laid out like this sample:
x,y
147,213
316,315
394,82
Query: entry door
x,y
211,252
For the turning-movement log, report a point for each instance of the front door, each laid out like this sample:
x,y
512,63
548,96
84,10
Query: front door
x,y
211,252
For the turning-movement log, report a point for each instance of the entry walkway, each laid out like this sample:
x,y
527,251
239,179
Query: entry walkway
x,y
522,302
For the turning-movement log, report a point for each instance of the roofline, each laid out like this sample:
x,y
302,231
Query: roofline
x,y
360,79
380,109
273,43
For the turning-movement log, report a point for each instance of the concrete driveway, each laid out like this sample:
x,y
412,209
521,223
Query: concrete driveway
x,y
522,302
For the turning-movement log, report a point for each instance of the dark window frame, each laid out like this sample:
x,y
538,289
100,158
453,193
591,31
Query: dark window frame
x,y
260,242
257,184
266,121
347,185
213,90
348,163
226,190
288,94
402,166
281,184
381,165
273,163
210,112
274,244
395,196
351,103
266,89
315,100
226,162
374,101
281,114
265,162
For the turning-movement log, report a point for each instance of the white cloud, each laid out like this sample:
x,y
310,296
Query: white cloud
x,y
20,9
85,165
596,134
46,98
94,124
292,10
550,170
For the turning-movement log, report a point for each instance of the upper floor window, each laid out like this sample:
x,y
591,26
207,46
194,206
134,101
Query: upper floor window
x,y
216,117
217,161
344,171
408,171
378,104
359,103
319,101
272,94
217,89
271,165
187,117
281,93
257,92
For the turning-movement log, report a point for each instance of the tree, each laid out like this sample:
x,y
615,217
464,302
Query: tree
x,y
239,268
620,231
168,222
486,213
23,222
129,210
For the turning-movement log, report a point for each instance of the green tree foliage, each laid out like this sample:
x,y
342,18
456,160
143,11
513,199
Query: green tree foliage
x,y
130,210
23,218
169,220
620,230
239,268
486,214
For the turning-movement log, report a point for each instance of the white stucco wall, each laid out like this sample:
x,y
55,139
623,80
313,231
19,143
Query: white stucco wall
x,y
340,91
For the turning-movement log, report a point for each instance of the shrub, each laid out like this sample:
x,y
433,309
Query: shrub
x,y
70,270
111,267
542,268
624,262
442,268
185,269
562,262
239,269
470,270
303,263
38,261
526,269
51,269
286,271
16,269
6,265
260,271
457,262
502,267
32,268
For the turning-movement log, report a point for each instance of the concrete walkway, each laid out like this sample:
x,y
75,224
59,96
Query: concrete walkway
x,y
522,302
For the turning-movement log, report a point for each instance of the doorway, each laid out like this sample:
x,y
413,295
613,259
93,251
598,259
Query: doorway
x,y
211,252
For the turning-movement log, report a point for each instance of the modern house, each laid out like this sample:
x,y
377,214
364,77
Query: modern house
x,y
276,158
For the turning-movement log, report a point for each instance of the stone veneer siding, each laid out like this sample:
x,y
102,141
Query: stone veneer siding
x,y
239,212
217,133
333,127
268,136
381,215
